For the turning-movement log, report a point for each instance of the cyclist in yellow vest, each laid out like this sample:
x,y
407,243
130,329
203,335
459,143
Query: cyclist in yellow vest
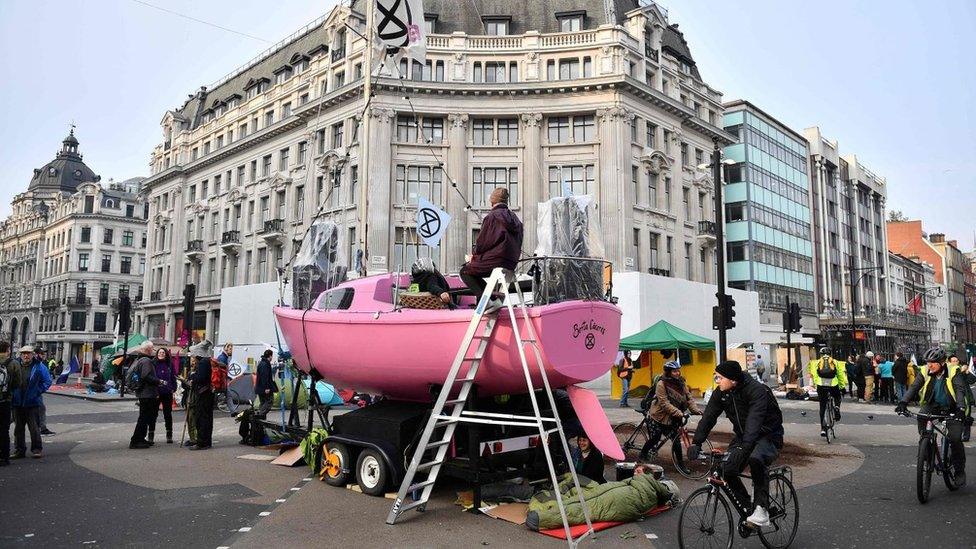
x,y
828,377
942,391
970,378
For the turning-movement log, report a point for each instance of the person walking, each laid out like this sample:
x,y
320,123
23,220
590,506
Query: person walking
x,y
760,369
25,399
40,356
850,368
862,372
899,373
145,385
265,386
163,364
625,373
201,384
9,379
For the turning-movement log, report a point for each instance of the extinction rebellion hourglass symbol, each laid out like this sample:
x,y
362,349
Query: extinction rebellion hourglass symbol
x,y
430,223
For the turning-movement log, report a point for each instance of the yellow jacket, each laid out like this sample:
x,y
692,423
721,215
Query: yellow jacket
x,y
840,380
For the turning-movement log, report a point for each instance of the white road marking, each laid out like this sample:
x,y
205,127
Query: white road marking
x,y
650,536
307,478
264,513
245,529
295,489
28,535
280,500
223,547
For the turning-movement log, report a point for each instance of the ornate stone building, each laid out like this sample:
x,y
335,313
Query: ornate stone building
x,y
601,97
67,251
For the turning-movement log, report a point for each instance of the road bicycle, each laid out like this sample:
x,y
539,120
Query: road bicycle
x,y
828,420
706,516
934,455
633,436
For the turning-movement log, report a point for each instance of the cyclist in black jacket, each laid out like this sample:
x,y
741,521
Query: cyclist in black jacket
x,y
758,426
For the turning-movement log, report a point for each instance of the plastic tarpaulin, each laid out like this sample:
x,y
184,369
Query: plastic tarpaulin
x,y
569,227
319,264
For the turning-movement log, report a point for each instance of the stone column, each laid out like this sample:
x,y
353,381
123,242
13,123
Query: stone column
x,y
379,189
614,149
532,180
824,233
455,242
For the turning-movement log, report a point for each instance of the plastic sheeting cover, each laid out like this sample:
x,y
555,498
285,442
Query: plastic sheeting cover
x,y
319,264
569,227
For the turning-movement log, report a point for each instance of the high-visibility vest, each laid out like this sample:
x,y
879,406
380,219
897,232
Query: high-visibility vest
x,y
953,370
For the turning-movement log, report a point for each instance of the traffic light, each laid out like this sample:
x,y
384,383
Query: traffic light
x,y
125,314
795,317
189,300
723,314
729,312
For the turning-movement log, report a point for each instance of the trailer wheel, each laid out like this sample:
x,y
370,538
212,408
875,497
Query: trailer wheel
x,y
335,464
371,473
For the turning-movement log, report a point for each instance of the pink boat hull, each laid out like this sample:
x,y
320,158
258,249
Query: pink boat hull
x,y
401,354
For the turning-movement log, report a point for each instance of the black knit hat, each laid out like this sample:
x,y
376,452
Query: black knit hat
x,y
729,369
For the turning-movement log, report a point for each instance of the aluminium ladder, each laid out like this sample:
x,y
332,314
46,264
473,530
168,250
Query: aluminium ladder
x,y
448,412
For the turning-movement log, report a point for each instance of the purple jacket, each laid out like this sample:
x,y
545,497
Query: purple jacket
x,y
499,242
167,378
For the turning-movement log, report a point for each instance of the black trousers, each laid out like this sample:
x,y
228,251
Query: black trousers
x,y
148,408
204,419
823,393
166,401
861,385
26,417
5,431
656,431
758,460
475,281
888,390
954,431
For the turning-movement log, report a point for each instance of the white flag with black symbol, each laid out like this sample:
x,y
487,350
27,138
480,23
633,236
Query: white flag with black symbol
x,y
400,29
432,222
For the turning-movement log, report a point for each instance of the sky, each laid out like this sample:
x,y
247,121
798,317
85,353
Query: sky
x,y
893,82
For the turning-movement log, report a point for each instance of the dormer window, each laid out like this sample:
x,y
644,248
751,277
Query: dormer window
x,y
497,26
52,172
571,21
282,74
299,63
233,101
430,23
339,45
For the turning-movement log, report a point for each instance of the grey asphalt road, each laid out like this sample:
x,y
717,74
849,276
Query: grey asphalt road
x,y
89,490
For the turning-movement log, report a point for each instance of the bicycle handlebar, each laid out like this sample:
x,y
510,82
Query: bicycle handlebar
x,y
932,417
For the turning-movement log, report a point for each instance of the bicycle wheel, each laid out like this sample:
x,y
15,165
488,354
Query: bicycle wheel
x,y
235,401
923,469
828,422
693,469
705,520
221,399
631,437
784,513
948,468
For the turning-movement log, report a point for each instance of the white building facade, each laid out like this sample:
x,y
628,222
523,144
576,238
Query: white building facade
x,y
607,102
69,250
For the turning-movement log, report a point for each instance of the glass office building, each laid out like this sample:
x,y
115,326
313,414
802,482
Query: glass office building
x,y
768,218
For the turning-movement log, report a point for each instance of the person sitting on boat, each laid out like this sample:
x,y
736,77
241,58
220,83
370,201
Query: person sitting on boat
x,y
499,244
425,275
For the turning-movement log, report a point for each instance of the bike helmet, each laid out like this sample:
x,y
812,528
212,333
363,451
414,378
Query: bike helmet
x,y
935,354
672,365
825,351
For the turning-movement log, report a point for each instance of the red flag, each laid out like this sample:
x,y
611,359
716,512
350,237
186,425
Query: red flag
x,y
915,305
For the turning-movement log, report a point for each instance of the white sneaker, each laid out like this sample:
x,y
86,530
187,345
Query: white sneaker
x,y
759,517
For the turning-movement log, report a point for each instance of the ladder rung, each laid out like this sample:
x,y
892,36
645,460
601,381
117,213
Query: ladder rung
x,y
463,379
551,431
445,421
429,464
438,444
411,505
420,485
454,401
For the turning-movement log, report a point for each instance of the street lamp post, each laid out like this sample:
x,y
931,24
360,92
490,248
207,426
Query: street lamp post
x,y
863,270
723,301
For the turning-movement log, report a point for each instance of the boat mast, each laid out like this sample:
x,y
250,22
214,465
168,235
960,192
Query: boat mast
x,y
364,141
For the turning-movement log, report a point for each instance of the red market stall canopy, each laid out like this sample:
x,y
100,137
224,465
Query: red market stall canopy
x,y
664,336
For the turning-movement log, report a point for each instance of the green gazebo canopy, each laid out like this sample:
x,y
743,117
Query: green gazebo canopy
x,y
664,336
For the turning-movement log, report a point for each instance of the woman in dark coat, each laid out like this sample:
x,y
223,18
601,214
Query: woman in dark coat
x,y
587,460
167,386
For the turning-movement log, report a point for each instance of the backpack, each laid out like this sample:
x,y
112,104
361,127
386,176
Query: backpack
x,y
4,381
132,379
218,376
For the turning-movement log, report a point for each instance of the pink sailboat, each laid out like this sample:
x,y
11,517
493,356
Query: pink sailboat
x,y
356,338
